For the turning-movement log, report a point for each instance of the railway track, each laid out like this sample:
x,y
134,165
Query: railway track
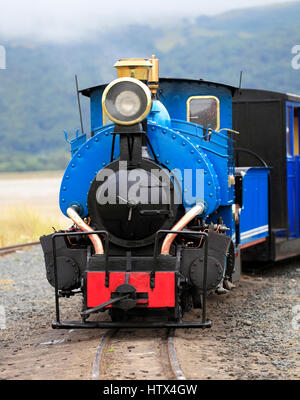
x,y
12,249
142,354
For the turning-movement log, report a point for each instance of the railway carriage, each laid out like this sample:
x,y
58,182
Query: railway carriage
x,y
159,209
269,136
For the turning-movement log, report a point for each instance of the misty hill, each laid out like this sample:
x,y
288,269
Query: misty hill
x,y
37,91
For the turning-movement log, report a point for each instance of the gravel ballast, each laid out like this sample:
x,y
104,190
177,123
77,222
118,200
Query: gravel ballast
x,y
255,328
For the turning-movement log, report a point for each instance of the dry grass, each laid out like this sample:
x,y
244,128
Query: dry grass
x,y
24,224
29,206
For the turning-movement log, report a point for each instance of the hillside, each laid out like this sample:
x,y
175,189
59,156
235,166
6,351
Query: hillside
x,y
37,90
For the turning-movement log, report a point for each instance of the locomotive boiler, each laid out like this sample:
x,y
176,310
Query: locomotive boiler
x,y
152,196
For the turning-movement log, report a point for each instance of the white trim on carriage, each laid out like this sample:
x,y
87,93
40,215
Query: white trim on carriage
x,y
253,232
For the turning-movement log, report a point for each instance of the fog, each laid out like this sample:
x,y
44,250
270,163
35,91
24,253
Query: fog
x,y
69,20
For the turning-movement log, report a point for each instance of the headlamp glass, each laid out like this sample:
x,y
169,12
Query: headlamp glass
x,y
126,101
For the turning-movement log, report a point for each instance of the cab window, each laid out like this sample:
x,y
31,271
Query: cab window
x,y
204,111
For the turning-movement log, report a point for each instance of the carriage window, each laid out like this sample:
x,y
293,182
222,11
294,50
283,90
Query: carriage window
x,y
204,110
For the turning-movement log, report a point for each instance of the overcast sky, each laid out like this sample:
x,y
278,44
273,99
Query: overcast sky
x,y
64,20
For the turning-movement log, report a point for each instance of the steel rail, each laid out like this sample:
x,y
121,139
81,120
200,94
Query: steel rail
x,y
171,351
11,249
100,351
177,372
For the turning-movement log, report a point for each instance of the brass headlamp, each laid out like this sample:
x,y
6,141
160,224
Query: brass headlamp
x,y
128,99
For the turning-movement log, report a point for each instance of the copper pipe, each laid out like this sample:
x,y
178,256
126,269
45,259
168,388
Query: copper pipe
x,y
98,246
191,214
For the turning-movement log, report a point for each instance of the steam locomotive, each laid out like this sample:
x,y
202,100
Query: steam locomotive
x,y
160,212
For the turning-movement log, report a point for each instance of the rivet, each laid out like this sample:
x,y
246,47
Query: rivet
x,y
103,164
73,165
87,146
192,151
96,139
106,133
153,128
64,188
210,195
209,183
199,161
79,155
183,143
67,177
167,161
164,131
157,155
173,136
63,200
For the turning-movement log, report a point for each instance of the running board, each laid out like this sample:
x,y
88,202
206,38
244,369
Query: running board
x,y
119,325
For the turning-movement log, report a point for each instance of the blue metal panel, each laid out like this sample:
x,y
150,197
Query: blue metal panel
x,y
292,198
293,174
178,154
159,115
297,158
84,166
218,151
254,213
75,143
174,96
96,109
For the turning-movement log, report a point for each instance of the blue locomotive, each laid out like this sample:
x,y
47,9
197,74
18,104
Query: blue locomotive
x,y
159,210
